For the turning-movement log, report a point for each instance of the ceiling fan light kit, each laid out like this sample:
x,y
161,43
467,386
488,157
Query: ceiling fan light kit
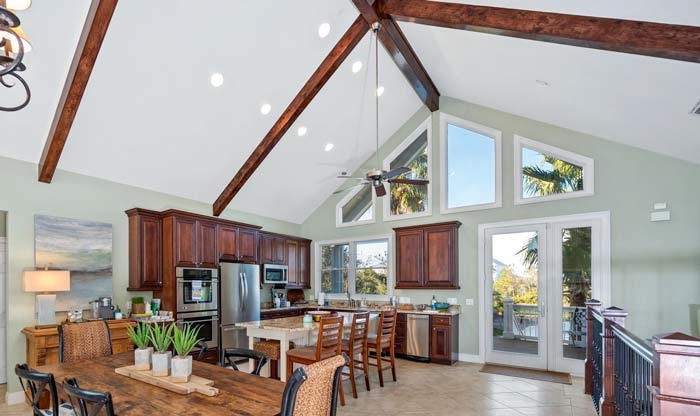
x,y
13,45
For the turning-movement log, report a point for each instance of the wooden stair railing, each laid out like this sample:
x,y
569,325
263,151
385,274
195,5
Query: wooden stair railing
x,y
626,375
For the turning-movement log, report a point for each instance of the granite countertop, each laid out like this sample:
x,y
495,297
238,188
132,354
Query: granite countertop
x,y
371,309
291,324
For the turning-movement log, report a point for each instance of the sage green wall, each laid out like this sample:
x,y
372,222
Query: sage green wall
x,y
82,197
655,266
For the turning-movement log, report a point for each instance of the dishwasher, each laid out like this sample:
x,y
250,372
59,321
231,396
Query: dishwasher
x,y
418,336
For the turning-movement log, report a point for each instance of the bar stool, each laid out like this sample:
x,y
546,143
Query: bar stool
x,y
357,345
270,348
384,340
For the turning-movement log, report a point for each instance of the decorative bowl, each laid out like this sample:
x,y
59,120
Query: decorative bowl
x,y
441,305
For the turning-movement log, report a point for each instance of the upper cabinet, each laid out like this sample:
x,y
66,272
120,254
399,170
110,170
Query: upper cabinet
x,y
273,249
145,250
238,244
427,256
290,251
194,242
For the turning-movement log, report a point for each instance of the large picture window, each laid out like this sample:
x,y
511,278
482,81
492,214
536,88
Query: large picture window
x,y
358,266
470,165
544,173
404,200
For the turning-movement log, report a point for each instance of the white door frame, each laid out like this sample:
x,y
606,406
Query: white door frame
x,y
539,360
602,291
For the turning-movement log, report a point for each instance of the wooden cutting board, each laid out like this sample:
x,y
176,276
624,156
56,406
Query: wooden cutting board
x,y
196,384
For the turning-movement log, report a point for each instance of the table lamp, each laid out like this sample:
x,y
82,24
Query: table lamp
x,y
44,282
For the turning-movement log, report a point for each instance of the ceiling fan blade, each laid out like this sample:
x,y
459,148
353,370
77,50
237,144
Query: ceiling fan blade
x,y
351,177
396,172
340,191
379,189
410,181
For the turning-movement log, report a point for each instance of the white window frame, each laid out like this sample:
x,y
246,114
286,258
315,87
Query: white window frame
x,y
585,162
496,135
352,242
339,210
427,125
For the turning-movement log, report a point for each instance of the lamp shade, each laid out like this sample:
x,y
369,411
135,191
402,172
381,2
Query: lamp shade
x,y
46,280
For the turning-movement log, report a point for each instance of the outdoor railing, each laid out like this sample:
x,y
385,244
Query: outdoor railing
x,y
524,324
627,376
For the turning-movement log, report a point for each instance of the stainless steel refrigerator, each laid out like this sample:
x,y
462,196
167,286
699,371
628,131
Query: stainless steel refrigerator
x,y
239,302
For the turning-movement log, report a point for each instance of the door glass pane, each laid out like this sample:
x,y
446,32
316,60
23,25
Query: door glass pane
x,y
515,293
576,289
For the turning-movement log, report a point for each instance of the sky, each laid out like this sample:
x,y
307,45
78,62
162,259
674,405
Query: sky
x,y
471,167
505,247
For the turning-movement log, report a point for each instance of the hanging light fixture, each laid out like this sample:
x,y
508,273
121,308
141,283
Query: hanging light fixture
x,y
13,45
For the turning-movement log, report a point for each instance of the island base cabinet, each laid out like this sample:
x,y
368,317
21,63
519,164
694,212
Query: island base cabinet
x,y
444,339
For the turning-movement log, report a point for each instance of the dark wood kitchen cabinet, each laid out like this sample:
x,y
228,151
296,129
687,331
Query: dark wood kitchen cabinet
x,y
304,264
400,336
194,242
238,244
427,256
207,252
292,248
145,250
444,339
293,252
272,249
228,243
248,245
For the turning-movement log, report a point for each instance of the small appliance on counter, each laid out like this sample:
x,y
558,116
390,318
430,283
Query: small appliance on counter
x,y
105,309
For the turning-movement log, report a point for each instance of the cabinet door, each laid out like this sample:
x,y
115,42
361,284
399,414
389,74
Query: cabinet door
x,y
150,260
439,268
304,268
207,254
400,337
280,252
440,341
248,245
292,248
228,242
185,242
266,248
409,259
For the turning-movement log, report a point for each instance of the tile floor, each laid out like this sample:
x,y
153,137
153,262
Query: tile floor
x,y
460,390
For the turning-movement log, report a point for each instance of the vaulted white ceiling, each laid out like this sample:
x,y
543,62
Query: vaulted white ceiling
x,y
150,118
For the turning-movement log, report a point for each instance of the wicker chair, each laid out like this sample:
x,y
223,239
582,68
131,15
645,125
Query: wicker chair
x,y
357,345
89,403
328,345
34,384
313,391
270,348
84,341
384,340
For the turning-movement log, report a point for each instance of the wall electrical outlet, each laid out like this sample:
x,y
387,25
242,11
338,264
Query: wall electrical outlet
x,y
470,302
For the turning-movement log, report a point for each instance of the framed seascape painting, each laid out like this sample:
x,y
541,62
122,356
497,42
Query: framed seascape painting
x,y
84,248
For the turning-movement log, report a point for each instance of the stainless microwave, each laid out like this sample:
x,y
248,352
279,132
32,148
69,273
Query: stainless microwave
x,y
275,274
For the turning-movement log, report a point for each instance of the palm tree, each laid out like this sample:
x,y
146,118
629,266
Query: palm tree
x,y
407,198
539,179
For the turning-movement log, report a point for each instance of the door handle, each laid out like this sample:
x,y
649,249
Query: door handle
x,y
543,310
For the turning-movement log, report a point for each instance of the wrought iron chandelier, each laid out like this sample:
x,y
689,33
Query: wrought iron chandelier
x,y
13,46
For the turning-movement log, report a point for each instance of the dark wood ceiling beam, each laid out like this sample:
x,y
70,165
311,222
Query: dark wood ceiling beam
x,y
94,31
402,53
318,79
642,38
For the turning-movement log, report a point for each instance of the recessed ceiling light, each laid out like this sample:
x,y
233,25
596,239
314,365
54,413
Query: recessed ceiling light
x,y
356,67
380,91
328,147
542,83
324,29
265,109
301,131
216,79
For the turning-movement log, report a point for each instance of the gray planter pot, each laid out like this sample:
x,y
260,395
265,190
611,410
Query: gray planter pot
x,y
142,358
181,369
161,364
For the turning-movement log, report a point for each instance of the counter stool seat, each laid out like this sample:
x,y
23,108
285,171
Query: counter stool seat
x,y
271,349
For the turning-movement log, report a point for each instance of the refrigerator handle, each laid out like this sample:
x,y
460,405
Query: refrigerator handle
x,y
245,294
240,292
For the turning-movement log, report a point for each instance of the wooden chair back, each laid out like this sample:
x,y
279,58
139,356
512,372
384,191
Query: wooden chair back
x,y
88,402
84,341
33,384
359,332
387,326
318,395
330,336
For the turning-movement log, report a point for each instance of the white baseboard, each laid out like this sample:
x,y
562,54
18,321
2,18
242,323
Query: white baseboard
x,y
16,397
470,358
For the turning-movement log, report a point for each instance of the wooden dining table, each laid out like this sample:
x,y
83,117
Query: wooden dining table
x,y
239,393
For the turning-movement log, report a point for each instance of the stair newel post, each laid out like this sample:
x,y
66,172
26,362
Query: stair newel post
x,y
675,386
610,315
590,306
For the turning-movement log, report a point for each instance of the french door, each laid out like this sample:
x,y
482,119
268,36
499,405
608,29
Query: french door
x,y
537,278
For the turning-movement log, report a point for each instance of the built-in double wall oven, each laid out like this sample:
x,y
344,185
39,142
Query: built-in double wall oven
x,y
198,300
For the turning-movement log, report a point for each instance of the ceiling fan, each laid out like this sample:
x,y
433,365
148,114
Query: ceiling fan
x,y
377,176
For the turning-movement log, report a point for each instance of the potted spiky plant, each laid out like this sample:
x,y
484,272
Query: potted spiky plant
x,y
184,340
140,335
161,337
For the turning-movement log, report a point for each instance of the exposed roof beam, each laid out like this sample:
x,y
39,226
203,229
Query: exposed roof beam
x,y
642,38
94,31
307,93
402,53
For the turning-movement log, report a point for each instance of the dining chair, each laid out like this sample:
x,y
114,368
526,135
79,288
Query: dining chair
x,y
271,349
90,403
328,345
230,354
202,345
84,341
314,390
355,346
382,341
33,384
